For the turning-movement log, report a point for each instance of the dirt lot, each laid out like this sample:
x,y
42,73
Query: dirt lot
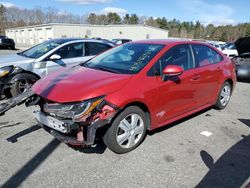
x,y
175,156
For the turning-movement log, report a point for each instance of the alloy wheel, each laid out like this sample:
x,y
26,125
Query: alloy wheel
x,y
130,131
225,95
23,86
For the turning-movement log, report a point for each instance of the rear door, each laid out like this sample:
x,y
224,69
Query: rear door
x,y
208,72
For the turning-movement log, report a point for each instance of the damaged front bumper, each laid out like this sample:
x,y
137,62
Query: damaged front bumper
x,y
60,130
66,130
76,134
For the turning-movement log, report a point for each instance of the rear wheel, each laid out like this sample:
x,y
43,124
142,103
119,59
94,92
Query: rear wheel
x,y
23,83
224,96
127,131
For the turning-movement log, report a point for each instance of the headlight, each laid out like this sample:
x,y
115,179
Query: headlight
x,y
75,111
4,71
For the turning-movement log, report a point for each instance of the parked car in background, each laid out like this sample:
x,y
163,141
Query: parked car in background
x,y
230,50
121,41
19,71
105,40
108,95
242,61
6,43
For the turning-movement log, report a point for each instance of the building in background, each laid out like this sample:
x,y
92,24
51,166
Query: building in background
x,y
31,35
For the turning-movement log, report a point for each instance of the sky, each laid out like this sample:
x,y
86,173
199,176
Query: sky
x,y
220,12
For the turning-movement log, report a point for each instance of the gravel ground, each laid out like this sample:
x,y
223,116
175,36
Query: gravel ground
x,y
174,156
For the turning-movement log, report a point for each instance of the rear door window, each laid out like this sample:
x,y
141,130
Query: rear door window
x,y
71,51
205,55
94,48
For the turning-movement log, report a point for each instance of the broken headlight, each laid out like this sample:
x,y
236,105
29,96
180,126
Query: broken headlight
x,y
4,71
75,111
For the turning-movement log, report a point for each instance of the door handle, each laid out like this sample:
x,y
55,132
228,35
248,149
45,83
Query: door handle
x,y
196,77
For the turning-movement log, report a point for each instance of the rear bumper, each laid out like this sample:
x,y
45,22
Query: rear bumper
x,y
243,72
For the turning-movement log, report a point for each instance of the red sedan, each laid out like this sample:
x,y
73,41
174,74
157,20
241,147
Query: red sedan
x,y
132,88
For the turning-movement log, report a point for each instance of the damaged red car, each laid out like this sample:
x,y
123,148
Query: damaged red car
x,y
130,89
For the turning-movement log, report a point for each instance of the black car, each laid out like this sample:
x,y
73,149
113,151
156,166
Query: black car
x,y
242,61
7,43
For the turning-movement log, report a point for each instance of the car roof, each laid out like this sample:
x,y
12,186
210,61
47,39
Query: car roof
x,y
65,40
169,41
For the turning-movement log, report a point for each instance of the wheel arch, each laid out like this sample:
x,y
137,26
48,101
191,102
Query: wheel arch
x,y
29,72
142,106
230,81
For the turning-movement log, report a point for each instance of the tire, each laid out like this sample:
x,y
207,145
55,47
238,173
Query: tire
x,y
131,135
223,96
23,83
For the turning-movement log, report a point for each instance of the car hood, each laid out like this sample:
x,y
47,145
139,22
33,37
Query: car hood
x,y
16,60
78,83
243,45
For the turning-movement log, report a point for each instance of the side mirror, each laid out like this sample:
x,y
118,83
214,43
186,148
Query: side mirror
x,y
55,57
172,70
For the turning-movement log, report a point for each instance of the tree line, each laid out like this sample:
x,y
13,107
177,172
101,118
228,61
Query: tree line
x,y
16,17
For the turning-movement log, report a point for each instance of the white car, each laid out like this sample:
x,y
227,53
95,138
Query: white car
x,y
230,50
19,71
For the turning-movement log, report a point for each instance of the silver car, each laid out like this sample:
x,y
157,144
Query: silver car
x,y
19,71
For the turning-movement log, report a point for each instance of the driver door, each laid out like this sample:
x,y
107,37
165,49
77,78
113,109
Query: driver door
x,y
176,95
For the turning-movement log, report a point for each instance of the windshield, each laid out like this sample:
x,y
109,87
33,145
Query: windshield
x,y
231,47
40,49
129,58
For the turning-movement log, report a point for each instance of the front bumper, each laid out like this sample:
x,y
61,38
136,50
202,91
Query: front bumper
x,y
68,132
51,122
75,141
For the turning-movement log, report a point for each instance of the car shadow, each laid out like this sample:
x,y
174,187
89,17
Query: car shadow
x,y
98,148
232,169
21,175
168,126
246,122
243,80
24,132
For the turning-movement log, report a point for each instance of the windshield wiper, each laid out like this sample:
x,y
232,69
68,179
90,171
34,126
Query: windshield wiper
x,y
108,69
84,64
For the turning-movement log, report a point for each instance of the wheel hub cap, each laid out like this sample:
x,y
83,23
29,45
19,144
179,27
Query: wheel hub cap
x,y
130,130
225,95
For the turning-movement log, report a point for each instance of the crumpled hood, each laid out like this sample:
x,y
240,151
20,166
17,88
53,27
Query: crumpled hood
x,y
16,60
243,45
78,84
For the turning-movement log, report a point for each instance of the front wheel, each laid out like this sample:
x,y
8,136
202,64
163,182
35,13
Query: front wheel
x,y
224,96
23,83
127,130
